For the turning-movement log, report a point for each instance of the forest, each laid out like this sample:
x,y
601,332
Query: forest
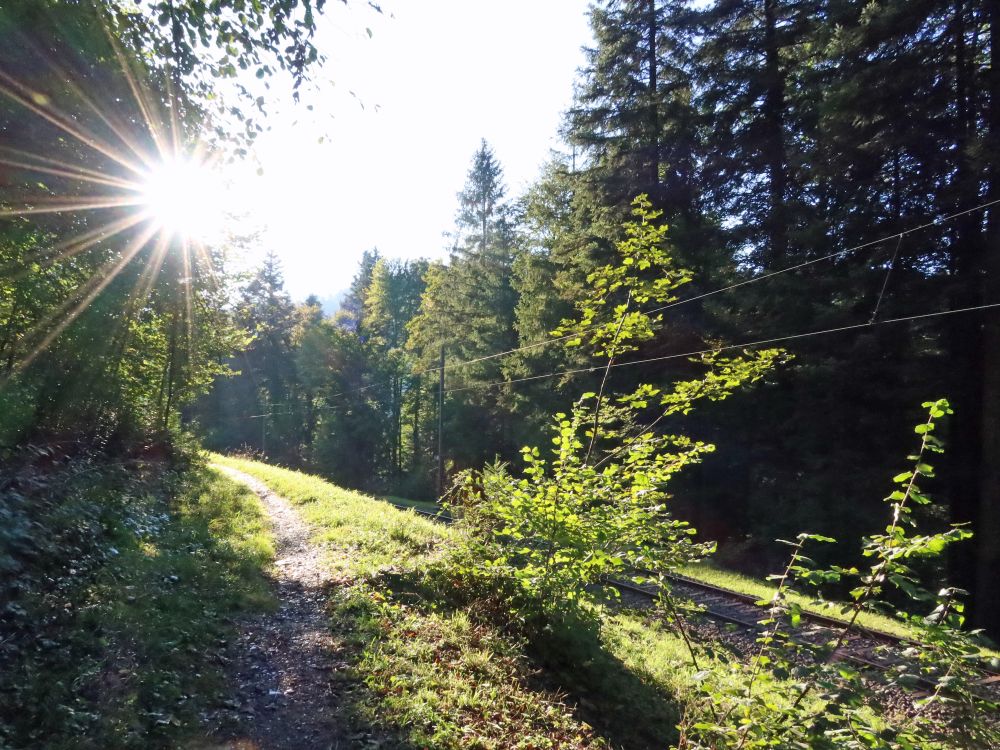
x,y
766,247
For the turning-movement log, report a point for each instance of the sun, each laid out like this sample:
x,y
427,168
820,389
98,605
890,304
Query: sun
x,y
186,199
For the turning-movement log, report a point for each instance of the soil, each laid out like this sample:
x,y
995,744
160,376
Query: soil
x,y
282,666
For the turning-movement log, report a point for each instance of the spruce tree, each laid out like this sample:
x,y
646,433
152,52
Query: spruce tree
x,y
468,307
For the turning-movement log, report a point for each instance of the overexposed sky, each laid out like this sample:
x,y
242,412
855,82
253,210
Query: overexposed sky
x,y
434,78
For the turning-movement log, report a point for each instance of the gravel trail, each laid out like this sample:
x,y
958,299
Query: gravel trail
x,y
282,665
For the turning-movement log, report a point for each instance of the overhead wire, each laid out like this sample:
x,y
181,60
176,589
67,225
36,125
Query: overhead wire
x,y
735,285
729,347
704,295
694,298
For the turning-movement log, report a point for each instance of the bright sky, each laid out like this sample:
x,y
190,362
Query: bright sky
x,y
435,77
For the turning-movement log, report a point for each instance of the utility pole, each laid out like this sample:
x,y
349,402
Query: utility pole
x,y
440,456
263,428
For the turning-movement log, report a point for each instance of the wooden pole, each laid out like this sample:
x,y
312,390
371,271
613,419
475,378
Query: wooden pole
x,y
440,451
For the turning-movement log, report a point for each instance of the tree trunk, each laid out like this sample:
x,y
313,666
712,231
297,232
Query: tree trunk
x,y
10,340
987,610
399,425
415,458
654,115
775,156
171,372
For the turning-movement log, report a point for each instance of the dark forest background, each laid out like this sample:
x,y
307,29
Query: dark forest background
x,y
771,134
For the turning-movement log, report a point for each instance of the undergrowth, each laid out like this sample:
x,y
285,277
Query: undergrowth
x,y
120,584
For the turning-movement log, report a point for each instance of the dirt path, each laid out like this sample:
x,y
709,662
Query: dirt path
x,y
281,665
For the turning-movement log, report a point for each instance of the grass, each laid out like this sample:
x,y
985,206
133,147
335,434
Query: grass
x,y
715,576
428,506
743,584
437,658
433,666
426,673
361,534
432,670
445,680
114,645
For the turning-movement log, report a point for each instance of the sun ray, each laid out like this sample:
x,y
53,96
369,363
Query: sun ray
x,y
100,277
104,115
144,284
175,127
88,139
136,299
78,171
206,258
58,205
188,301
70,248
153,268
91,289
139,91
109,181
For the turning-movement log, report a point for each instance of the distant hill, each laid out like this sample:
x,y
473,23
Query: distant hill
x,y
331,303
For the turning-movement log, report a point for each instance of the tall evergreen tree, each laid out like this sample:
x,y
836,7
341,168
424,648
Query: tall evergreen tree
x,y
352,307
468,307
633,119
391,301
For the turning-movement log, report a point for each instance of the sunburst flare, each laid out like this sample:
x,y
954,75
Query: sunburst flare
x,y
125,181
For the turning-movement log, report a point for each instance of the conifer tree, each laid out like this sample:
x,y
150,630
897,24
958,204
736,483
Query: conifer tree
x,y
468,307
352,307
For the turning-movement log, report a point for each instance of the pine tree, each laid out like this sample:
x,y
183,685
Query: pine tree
x,y
266,311
469,304
391,301
352,307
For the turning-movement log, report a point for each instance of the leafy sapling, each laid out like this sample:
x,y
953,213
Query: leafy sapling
x,y
596,504
825,701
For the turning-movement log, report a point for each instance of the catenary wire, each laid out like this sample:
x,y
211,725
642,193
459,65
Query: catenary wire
x,y
728,347
677,303
736,285
697,297
695,353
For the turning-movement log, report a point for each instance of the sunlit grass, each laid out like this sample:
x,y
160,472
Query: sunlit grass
x,y
454,682
744,584
438,666
362,535
434,675
428,506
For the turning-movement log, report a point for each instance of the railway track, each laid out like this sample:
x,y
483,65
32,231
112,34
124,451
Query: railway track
x,y
866,648
733,608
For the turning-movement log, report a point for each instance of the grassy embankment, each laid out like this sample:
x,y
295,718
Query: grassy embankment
x,y
743,584
423,673
433,670
121,584
732,581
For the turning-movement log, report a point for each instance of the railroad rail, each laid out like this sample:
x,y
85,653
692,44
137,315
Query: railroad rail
x,y
865,647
